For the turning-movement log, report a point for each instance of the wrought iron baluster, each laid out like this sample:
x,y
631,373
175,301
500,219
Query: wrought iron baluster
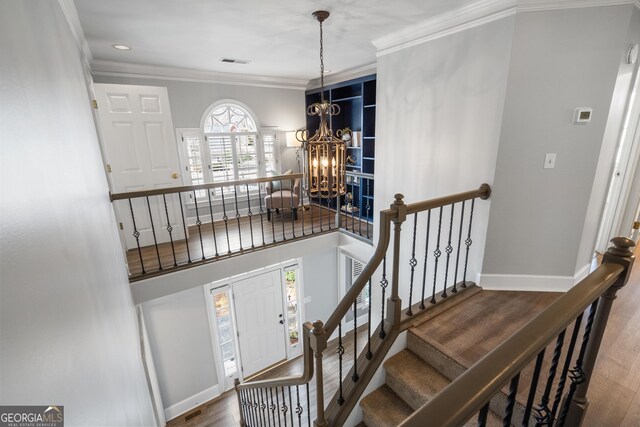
x,y
265,399
412,262
368,207
532,389
275,407
436,254
567,364
511,401
136,234
225,218
284,237
482,416
261,212
198,222
576,374
153,230
542,411
383,284
455,277
243,405
340,352
285,408
468,243
308,406
273,227
294,214
262,406
301,209
299,408
252,409
249,214
184,227
249,408
426,257
235,199
329,212
448,249
170,231
213,227
290,405
278,410
256,406
369,354
360,212
355,376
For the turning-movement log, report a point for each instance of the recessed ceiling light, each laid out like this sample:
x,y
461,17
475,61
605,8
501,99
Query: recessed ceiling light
x,y
120,46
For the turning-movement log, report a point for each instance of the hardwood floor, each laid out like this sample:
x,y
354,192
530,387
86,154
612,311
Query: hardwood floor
x,y
245,233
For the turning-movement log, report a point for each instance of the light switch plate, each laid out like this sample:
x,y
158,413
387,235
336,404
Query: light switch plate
x,y
550,161
307,300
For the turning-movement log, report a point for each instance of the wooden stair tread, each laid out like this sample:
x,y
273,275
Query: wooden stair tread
x,y
413,379
384,408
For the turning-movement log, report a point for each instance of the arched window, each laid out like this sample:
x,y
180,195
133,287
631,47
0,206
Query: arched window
x,y
233,147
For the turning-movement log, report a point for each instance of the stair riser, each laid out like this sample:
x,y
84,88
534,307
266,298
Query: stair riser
x,y
406,394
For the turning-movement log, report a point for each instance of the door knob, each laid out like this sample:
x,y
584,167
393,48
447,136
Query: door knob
x,y
174,175
282,322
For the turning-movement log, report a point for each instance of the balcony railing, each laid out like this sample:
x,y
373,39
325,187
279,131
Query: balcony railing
x,y
173,228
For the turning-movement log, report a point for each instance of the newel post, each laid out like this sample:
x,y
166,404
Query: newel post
x,y
619,253
395,304
236,383
318,342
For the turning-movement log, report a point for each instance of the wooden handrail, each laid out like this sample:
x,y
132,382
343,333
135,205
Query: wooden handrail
x,y
483,192
466,395
185,188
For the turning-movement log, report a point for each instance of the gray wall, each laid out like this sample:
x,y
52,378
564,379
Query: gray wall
x,y
320,275
283,108
180,340
438,121
560,60
67,320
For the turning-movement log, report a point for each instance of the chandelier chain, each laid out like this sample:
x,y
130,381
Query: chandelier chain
x,y
321,65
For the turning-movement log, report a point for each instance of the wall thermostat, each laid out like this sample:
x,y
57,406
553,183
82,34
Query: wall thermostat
x,y
582,116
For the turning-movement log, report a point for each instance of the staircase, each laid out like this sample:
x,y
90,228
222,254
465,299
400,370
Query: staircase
x,y
442,348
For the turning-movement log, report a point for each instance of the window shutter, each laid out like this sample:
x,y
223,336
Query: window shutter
x,y
356,270
269,146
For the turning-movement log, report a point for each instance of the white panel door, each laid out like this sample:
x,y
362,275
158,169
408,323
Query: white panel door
x,y
260,321
138,138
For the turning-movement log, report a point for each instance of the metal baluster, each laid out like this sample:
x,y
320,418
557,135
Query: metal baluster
x,y
170,231
329,212
542,410
511,401
252,414
235,199
261,212
426,256
198,222
184,227
290,405
369,354
532,389
153,230
355,376
262,407
360,211
383,284
576,374
308,406
482,416
213,227
273,227
368,207
243,406
248,407
293,215
277,407
256,414
412,262
250,214
136,234
565,370
436,254
340,399
468,243
265,399
448,250
455,277
225,218
299,408
301,210
285,408
284,237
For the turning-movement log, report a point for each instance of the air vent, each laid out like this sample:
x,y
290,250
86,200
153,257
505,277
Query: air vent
x,y
234,61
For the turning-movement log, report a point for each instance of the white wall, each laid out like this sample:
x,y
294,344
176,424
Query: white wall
x,y
283,108
67,320
560,60
439,110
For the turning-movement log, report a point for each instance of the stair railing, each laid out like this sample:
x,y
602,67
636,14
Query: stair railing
x,y
271,402
581,315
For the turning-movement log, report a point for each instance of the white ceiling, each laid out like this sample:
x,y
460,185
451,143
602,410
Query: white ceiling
x,y
279,37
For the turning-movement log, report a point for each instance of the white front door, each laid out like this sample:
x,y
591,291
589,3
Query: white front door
x,y
138,139
260,321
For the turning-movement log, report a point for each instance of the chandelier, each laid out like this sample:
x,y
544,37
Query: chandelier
x,y
325,152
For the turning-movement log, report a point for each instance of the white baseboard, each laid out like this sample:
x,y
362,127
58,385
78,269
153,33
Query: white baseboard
x,y
191,402
525,282
582,273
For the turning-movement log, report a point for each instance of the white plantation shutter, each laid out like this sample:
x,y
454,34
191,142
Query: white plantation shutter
x,y
221,152
247,156
356,270
269,149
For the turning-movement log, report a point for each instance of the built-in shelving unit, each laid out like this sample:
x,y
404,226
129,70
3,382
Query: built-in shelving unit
x,y
357,101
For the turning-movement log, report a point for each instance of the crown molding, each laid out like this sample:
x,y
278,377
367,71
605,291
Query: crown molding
x,y
474,15
124,69
71,15
343,76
